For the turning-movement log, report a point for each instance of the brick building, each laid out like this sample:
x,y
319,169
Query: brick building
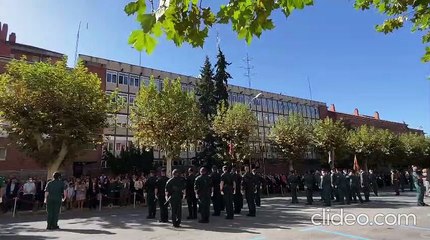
x,y
356,120
12,161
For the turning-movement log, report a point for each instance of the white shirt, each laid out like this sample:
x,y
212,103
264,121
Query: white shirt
x,y
29,188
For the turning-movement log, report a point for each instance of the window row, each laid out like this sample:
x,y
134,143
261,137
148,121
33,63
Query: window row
x,y
127,98
130,79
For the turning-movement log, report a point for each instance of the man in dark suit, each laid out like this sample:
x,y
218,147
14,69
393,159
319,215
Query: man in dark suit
x,y
12,189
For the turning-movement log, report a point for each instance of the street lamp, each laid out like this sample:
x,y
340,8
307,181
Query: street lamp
x,y
256,112
254,98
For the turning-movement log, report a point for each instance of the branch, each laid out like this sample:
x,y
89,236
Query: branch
x,y
39,140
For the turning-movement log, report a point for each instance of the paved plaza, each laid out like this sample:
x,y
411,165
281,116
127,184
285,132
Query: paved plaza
x,y
276,219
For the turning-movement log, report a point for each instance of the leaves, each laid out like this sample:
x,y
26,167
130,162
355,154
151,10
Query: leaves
x,y
329,135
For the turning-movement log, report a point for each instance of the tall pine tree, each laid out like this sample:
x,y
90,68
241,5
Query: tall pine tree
x,y
205,91
221,79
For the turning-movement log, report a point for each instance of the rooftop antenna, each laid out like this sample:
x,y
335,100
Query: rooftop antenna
x,y
310,89
248,69
77,43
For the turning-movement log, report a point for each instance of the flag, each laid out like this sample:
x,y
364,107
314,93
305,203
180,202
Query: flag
x,y
230,149
356,167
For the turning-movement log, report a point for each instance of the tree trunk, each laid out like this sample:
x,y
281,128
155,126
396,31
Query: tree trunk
x,y
290,162
169,165
55,165
365,164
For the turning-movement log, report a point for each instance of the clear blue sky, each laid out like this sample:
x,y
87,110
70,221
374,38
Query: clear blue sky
x,y
332,44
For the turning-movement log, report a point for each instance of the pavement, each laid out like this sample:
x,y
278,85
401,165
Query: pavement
x,y
277,218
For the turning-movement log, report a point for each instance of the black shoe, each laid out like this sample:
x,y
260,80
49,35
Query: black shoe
x,y
176,226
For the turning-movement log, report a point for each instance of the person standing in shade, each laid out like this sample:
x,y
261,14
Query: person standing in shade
x,y
373,182
326,186
348,186
341,186
190,195
216,195
203,189
175,193
151,184
53,197
365,184
237,196
227,187
355,186
160,194
258,187
309,182
419,185
248,189
334,187
395,181
293,180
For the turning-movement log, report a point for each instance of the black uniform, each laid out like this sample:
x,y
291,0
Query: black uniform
x,y
326,186
365,185
348,189
55,189
174,188
293,180
355,188
151,184
309,181
258,183
248,185
237,198
191,197
161,195
341,187
373,183
227,190
216,198
202,187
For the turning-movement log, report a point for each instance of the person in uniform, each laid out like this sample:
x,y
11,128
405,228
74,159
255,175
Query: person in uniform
x,y
395,180
341,186
190,195
203,190
258,187
216,195
53,198
227,187
293,180
175,193
161,196
373,182
348,186
309,182
419,185
355,186
248,189
326,186
237,197
151,184
334,188
365,184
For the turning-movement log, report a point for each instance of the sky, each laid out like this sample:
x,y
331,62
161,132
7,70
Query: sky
x,y
330,48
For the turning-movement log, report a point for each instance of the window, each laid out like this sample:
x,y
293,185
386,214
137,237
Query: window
x,y
131,99
121,79
126,80
118,147
111,77
134,81
3,153
124,96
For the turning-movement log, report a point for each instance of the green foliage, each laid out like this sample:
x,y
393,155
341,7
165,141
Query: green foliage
x,y
364,140
236,126
51,110
414,145
292,136
189,21
169,119
221,79
132,159
205,91
417,13
329,135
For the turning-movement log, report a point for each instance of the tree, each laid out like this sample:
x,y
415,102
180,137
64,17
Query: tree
x,y
132,159
292,136
399,13
189,21
390,149
206,91
236,126
329,136
364,142
52,111
221,79
415,147
169,119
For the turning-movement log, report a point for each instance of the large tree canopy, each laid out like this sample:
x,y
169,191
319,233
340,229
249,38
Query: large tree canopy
x,y
189,21
51,111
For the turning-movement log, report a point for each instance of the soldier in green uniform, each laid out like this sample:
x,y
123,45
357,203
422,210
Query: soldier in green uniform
x,y
161,196
227,190
419,186
326,186
309,182
151,184
341,186
175,193
248,189
53,197
355,186
365,184
203,189
293,180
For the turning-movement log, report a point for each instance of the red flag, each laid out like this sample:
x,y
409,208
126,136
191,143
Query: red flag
x,y
356,167
230,149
